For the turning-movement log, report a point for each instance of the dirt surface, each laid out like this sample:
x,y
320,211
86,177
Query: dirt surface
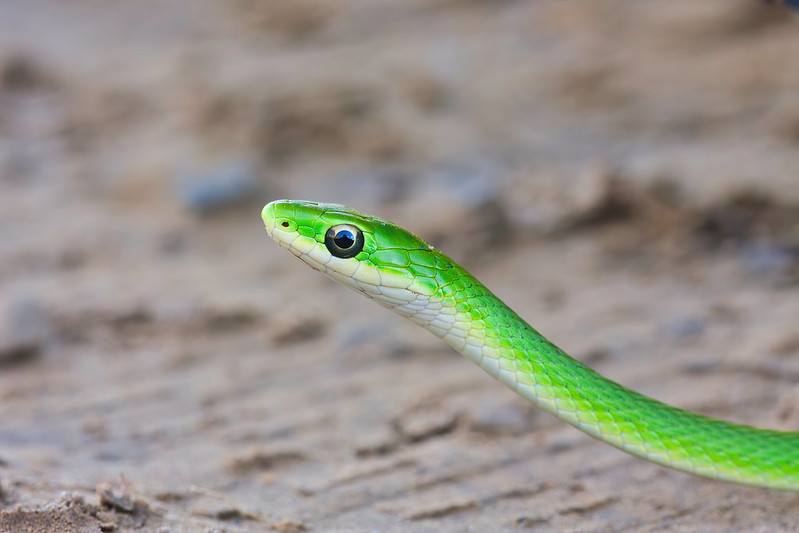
x,y
624,174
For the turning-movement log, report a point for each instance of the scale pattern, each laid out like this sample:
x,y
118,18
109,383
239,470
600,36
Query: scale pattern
x,y
506,347
401,272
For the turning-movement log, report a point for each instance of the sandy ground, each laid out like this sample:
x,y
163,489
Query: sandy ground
x,y
624,174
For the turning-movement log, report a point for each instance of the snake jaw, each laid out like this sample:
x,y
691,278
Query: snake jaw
x,y
300,228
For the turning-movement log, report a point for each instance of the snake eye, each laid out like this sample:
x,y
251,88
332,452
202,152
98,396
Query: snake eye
x,y
344,240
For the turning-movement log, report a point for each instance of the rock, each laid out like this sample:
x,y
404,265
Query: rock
x,y
26,330
229,183
682,328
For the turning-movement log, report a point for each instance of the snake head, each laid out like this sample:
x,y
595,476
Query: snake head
x,y
367,254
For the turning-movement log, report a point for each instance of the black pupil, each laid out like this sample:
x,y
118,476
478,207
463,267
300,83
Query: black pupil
x,y
344,239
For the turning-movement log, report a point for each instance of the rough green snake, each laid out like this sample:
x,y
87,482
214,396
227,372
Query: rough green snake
x,y
398,270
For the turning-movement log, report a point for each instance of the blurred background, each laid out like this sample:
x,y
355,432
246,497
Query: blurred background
x,y
623,173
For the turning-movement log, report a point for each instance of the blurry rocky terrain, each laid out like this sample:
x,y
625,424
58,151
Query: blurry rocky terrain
x,y
625,174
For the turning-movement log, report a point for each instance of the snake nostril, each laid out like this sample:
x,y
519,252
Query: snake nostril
x,y
285,223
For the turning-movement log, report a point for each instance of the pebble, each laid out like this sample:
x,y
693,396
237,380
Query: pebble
x,y
212,189
25,331
685,327
768,259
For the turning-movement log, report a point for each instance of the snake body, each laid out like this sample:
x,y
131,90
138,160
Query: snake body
x,y
398,270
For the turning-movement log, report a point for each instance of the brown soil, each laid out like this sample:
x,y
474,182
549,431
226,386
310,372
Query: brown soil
x,y
624,174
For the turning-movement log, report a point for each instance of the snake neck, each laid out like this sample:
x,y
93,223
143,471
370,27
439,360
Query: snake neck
x,y
468,317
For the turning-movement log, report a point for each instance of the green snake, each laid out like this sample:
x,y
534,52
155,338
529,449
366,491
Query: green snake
x,y
398,270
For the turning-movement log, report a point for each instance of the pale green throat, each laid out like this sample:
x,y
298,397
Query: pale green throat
x,y
401,272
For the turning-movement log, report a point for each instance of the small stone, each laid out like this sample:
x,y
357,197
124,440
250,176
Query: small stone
x,y
417,427
25,332
210,190
119,500
685,327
